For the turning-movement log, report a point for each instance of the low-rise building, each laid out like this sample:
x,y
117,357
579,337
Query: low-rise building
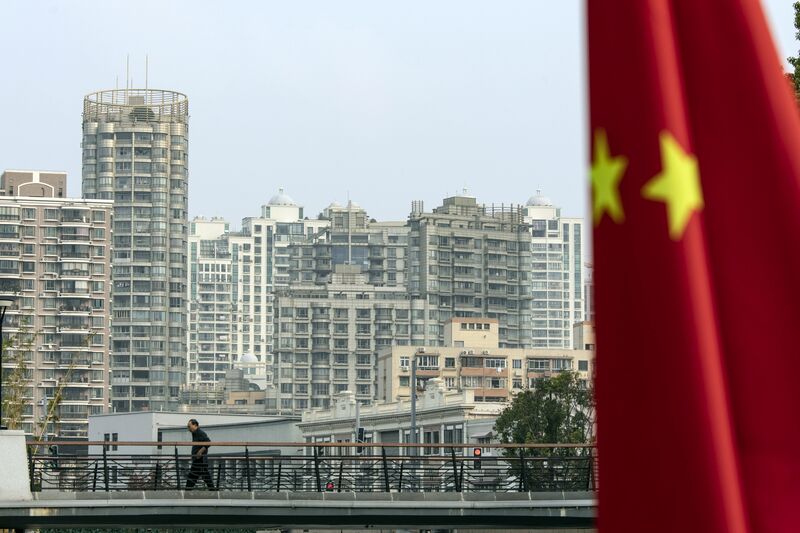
x,y
442,417
471,360
163,426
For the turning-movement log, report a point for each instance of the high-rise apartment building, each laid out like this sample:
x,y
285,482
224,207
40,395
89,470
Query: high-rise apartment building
x,y
556,272
234,276
135,152
349,237
55,261
470,260
210,312
328,335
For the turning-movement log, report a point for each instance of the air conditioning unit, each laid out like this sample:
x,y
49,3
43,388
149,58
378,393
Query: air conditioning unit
x,y
485,352
470,352
404,369
421,350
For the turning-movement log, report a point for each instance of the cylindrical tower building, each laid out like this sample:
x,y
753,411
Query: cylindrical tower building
x,y
135,151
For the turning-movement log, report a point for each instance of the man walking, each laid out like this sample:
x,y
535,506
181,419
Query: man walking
x,y
199,457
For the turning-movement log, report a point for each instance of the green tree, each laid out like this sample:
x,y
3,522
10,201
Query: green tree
x,y
17,350
794,77
558,410
49,425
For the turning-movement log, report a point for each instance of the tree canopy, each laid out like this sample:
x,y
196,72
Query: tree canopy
x,y
556,410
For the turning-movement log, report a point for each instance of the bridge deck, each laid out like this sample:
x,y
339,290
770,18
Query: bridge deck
x,y
301,509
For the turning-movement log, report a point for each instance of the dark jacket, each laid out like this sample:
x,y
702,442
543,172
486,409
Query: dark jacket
x,y
199,436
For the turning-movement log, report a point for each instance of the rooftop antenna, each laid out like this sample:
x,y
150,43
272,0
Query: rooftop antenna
x,y
128,72
116,82
146,73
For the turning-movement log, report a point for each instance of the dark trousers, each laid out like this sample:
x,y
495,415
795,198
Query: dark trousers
x,y
199,470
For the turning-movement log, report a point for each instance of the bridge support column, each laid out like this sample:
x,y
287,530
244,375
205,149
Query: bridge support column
x,y
16,485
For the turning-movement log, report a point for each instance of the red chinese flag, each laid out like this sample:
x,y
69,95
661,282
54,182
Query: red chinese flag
x,y
696,205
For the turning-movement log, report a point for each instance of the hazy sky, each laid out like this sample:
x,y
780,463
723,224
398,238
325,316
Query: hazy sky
x,y
386,101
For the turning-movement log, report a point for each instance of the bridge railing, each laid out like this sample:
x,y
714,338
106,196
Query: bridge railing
x,y
336,467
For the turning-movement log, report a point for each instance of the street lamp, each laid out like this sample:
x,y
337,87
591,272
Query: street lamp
x,y
5,303
414,399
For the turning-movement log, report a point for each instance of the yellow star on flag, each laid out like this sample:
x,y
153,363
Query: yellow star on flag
x,y
607,171
678,185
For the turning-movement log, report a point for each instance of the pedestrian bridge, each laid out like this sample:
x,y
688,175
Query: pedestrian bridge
x,y
198,509
257,484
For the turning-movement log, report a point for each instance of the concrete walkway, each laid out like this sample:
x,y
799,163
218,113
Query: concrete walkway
x,y
202,509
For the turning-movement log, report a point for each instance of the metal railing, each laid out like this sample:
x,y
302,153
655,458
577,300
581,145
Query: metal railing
x,y
333,467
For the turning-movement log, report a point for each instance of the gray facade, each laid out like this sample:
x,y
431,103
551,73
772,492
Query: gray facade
x,y
328,336
350,237
135,152
469,260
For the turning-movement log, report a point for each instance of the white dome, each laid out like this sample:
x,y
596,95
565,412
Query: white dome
x,y
334,205
248,358
539,200
281,199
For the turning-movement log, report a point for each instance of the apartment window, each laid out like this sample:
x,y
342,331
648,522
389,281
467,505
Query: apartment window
x,y
449,362
404,381
583,365
495,363
404,361
539,364
517,363
51,214
28,214
428,361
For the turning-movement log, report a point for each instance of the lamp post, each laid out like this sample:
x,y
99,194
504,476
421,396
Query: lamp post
x,y
5,303
414,399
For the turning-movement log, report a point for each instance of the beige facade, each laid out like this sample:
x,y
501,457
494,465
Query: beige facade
x,y
472,332
583,336
55,260
40,183
493,374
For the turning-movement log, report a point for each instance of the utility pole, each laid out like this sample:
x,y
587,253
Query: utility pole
x,y
357,436
413,450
